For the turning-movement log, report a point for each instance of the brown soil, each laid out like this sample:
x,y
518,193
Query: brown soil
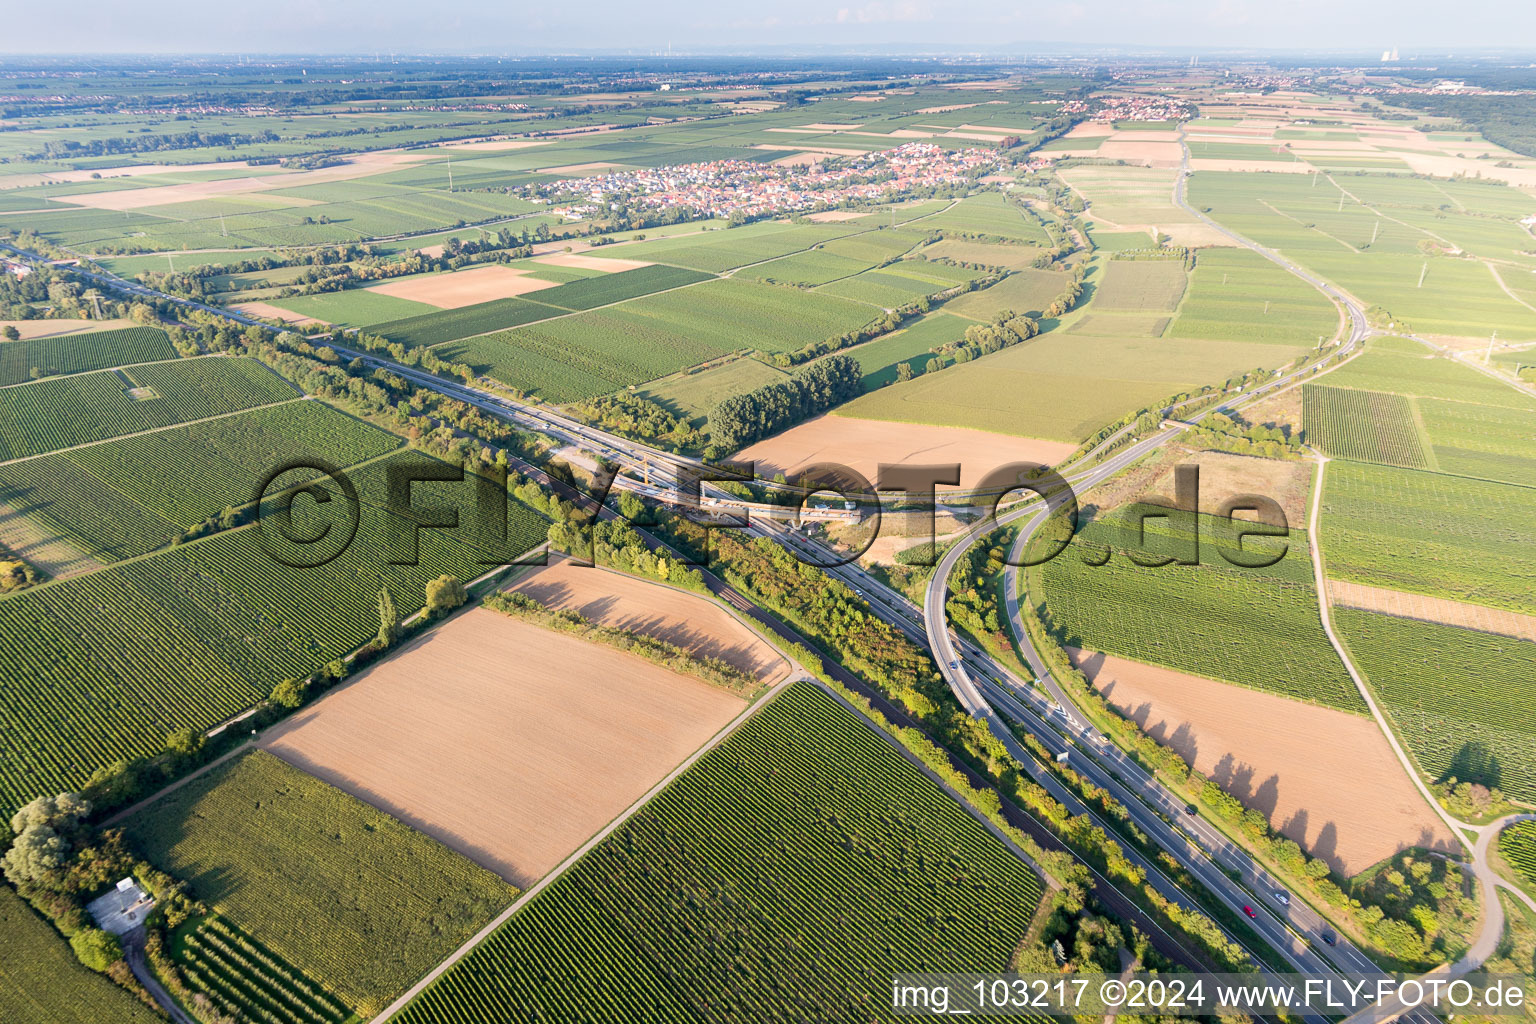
x,y
1432,609
624,602
287,316
1222,475
47,328
507,742
582,261
863,444
1326,779
1150,153
836,216
464,287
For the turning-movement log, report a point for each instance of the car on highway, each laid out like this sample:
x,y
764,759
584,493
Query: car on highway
x,y
1283,898
1330,938
1191,810
1249,911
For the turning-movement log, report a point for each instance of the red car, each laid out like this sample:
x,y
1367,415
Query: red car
x,y
1249,911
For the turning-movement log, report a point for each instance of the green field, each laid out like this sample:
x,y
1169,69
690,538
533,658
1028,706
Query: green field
x,y
719,250
187,637
77,353
355,307
1364,426
122,498
1517,844
1254,627
1024,291
1139,286
246,980
1011,257
803,850
67,411
1063,386
1429,533
1238,294
41,981
988,213
1460,699
452,324
359,902
880,358
692,396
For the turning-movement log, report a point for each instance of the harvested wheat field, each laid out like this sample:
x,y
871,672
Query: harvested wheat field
x,y
29,329
863,444
464,287
1327,779
1141,150
581,261
1432,609
272,312
835,216
624,602
504,740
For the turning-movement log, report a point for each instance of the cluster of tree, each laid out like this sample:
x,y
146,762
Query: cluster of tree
x,y
1154,252
630,415
742,419
1508,121
1226,433
15,573
74,149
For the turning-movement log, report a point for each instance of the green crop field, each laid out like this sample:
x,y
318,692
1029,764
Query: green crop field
x,y
1365,426
1139,286
1238,294
41,981
1429,533
692,396
1258,628
122,498
242,978
359,902
1127,195
880,358
992,254
1024,291
1062,387
802,849
187,637
77,353
355,307
718,250
988,213
66,411
604,289
1461,700
452,324
1517,844
806,268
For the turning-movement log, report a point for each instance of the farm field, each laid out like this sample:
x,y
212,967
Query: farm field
x,y
988,214
1364,426
599,351
242,978
1139,286
435,328
720,250
1127,197
1430,533
1060,387
862,445
899,283
199,632
76,353
66,411
694,395
881,358
1010,257
1212,619
1239,295
573,731
122,498
464,287
1461,700
1349,801
41,981
1433,609
355,307
868,868
1517,845
1024,291
359,902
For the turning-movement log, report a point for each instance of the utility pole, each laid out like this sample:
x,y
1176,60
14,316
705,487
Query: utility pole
x,y
1375,229
1266,307
222,228
1491,338
1341,200
450,172
1422,271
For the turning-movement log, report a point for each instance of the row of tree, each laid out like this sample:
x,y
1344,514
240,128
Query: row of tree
x,y
741,419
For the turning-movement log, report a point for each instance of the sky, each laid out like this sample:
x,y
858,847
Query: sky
x,y
1430,28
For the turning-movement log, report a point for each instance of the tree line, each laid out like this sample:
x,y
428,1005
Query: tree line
x,y
741,419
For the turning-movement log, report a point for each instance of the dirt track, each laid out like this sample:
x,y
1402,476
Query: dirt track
x,y
1324,778
508,742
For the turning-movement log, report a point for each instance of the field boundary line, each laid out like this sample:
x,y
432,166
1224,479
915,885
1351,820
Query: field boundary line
x,y
559,869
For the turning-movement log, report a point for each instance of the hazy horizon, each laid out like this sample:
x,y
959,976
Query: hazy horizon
x,y
1418,28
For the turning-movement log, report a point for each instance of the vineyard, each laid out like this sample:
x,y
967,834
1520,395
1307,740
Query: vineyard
x,y
1366,426
1239,295
123,498
189,636
452,324
76,353
988,213
67,411
249,983
1462,700
1427,533
629,284
1140,286
41,982
344,893
784,877
1255,627
1517,844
